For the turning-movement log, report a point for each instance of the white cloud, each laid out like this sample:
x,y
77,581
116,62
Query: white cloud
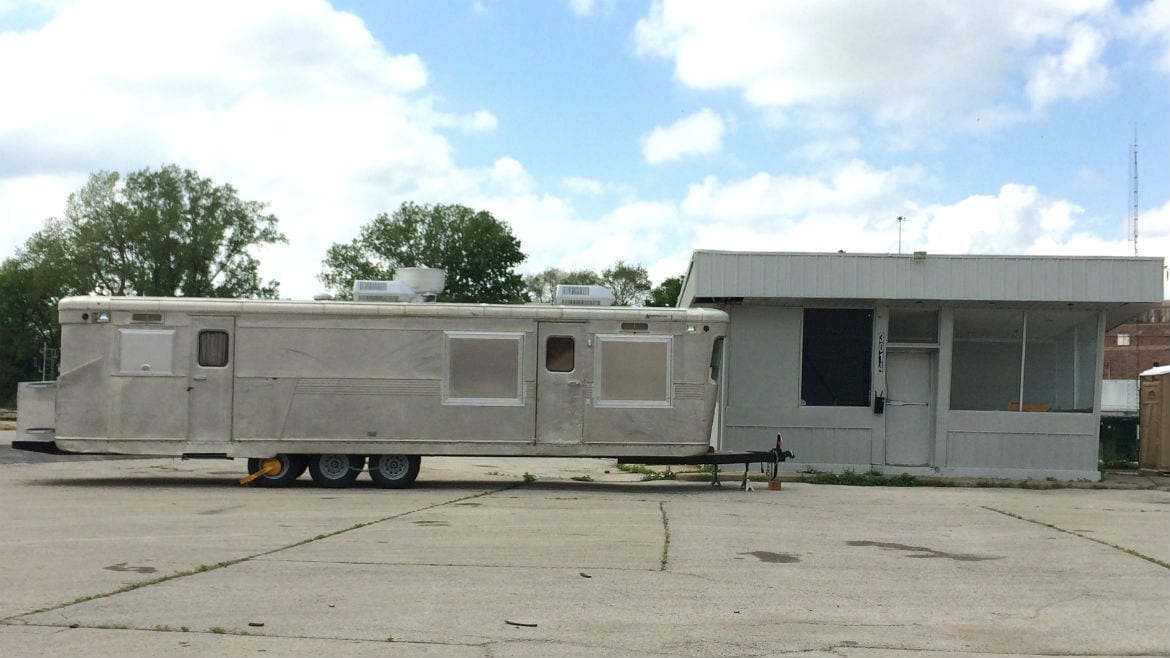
x,y
910,65
698,134
764,196
289,101
591,7
1150,24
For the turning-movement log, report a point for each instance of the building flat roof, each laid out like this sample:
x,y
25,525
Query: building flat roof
x,y
1095,280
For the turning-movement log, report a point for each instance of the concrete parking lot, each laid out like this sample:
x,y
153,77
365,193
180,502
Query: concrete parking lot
x,y
154,557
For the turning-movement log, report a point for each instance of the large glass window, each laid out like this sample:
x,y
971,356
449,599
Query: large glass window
x,y
836,357
1060,360
633,371
1055,351
483,368
985,359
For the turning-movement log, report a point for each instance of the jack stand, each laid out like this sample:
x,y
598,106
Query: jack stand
x,y
747,483
715,477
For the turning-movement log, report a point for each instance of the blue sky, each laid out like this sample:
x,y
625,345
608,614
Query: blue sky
x,y
604,130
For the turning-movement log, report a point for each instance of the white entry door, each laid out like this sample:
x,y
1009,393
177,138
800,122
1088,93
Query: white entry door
x,y
909,413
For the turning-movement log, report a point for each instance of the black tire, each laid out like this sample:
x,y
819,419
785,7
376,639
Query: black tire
x,y
291,468
394,471
335,471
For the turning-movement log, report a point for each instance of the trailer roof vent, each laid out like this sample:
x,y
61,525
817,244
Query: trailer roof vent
x,y
583,296
382,291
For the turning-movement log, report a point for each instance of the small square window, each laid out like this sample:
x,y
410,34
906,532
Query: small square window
x,y
213,349
1122,340
559,354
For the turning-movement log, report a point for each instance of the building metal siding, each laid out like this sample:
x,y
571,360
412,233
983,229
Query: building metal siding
x,y
950,278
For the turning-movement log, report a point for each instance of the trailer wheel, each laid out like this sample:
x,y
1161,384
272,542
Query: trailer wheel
x,y
335,471
291,468
394,471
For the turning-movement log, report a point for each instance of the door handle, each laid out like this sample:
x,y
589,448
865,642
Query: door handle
x,y
574,382
199,378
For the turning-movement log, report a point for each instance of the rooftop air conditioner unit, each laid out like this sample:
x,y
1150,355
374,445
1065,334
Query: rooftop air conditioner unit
x,y
382,291
568,295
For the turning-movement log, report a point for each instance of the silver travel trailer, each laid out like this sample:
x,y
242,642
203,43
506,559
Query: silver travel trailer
x,y
330,385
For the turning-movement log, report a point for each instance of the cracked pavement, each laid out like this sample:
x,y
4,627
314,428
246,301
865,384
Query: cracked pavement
x,y
152,557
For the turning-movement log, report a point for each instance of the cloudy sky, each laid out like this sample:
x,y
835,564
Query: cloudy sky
x,y
611,129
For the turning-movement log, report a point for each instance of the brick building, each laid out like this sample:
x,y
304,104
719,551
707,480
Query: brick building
x,y
1138,345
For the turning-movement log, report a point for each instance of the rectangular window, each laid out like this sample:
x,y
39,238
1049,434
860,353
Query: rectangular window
x,y
560,354
913,326
1012,360
483,368
985,361
213,349
1123,340
633,371
146,351
1060,360
836,357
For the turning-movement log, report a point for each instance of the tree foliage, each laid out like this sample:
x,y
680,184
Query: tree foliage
x,y
160,233
477,250
630,284
666,293
164,233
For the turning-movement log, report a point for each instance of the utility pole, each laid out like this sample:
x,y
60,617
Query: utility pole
x,y
1133,193
901,220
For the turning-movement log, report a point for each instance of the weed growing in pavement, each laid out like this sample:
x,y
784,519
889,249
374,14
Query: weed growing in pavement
x,y
647,473
528,477
854,479
581,478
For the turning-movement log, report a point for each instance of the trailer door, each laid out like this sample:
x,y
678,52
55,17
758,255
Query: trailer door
x,y
564,367
210,387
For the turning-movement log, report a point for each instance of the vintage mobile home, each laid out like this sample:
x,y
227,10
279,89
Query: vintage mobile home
x,y
330,385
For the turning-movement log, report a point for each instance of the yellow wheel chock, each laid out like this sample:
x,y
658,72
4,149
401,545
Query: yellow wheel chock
x,y
271,466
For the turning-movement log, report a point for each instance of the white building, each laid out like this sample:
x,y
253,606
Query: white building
x,y
986,366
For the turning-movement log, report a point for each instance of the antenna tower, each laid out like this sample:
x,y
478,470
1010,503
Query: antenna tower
x,y
1132,221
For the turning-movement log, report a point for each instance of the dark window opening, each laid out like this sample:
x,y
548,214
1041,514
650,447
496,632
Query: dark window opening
x,y
836,356
559,354
716,358
913,326
213,349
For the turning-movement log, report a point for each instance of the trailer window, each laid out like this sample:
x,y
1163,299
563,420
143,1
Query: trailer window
x,y
559,354
483,368
213,349
146,351
633,371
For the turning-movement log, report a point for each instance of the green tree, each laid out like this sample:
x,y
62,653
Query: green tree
x,y
164,233
478,252
666,293
630,284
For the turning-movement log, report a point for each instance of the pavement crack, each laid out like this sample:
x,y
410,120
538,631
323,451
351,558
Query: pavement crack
x,y
228,563
662,565
1074,533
